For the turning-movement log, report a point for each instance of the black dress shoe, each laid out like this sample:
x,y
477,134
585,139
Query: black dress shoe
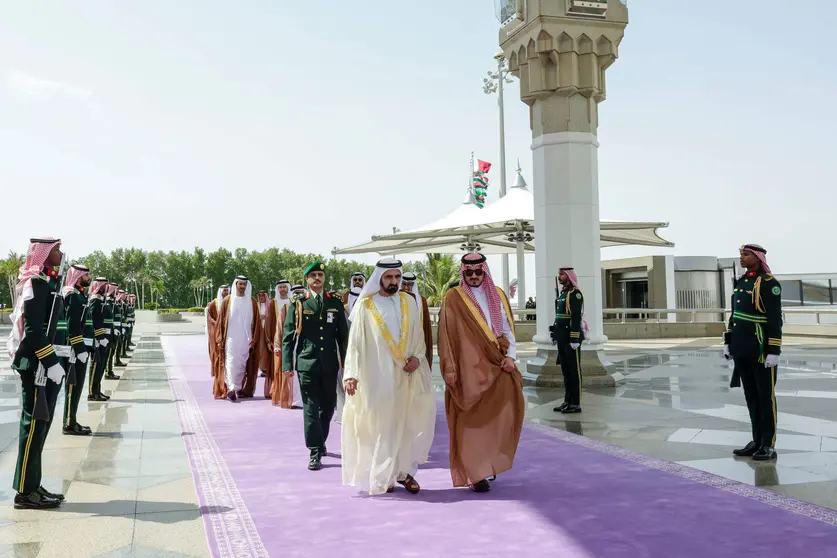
x,y
746,451
571,409
481,486
323,451
232,396
44,492
102,396
561,407
75,430
35,501
314,464
85,428
765,453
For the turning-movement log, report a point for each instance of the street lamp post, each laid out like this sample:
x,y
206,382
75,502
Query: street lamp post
x,y
494,84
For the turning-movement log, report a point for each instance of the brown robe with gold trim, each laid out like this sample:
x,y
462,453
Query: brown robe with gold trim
x,y
267,358
484,404
283,386
211,324
219,388
428,332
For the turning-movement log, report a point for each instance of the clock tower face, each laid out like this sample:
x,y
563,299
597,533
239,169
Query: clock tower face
x,y
505,9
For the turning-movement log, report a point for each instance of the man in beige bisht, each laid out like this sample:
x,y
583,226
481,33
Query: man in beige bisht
x,y
213,310
390,410
484,390
410,286
238,330
286,392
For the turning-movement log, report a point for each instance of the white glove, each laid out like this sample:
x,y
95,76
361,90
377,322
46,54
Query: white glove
x,y
726,352
55,373
82,357
103,343
277,351
574,346
771,361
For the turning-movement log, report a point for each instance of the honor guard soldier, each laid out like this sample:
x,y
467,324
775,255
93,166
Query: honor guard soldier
x,y
110,328
132,303
34,359
98,332
753,342
75,312
314,343
568,334
119,333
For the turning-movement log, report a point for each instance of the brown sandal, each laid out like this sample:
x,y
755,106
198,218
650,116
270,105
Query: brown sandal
x,y
410,484
390,489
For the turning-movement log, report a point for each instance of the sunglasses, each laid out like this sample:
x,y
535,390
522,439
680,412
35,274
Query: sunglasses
x,y
469,272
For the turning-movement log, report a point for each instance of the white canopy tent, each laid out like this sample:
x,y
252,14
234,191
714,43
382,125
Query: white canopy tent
x,y
505,227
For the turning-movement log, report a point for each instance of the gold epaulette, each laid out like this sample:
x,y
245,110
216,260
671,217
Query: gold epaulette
x,y
768,277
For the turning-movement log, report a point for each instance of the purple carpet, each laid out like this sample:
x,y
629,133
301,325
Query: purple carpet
x,y
568,496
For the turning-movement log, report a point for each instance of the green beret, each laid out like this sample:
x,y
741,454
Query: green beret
x,y
316,266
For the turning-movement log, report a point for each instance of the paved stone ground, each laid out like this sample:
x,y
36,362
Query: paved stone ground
x,y
130,491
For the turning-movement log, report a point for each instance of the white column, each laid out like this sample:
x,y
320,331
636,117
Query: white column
x,y
521,275
567,234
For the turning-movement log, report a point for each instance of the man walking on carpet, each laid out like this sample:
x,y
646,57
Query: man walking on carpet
x,y
314,345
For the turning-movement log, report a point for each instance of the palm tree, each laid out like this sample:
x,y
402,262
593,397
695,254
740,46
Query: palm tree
x,y
436,277
9,268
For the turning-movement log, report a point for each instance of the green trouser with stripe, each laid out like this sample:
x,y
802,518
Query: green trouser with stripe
x,y
98,360
72,394
33,433
570,361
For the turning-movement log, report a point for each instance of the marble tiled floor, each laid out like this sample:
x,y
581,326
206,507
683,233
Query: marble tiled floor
x,y
129,488
130,491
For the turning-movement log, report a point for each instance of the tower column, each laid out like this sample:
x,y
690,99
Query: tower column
x,y
560,50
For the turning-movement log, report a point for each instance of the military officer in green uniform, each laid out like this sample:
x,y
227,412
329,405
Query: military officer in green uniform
x,y
98,333
568,334
132,302
35,361
75,313
753,342
316,334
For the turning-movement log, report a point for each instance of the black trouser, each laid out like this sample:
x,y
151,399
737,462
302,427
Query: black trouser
x,y
98,362
759,385
570,361
72,393
111,352
319,398
32,435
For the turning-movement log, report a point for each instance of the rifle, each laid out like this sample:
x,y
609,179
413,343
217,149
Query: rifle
x,y
41,411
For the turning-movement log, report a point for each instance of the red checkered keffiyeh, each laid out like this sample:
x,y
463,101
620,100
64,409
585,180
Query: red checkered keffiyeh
x,y
573,277
494,304
74,275
36,256
97,285
758,252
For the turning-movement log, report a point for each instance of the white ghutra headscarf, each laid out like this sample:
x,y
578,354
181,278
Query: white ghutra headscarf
x,y
374,284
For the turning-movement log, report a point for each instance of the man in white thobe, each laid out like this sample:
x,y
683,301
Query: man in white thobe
x,y
390,410
240,338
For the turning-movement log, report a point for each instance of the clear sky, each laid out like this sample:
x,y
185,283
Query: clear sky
x,y
166,125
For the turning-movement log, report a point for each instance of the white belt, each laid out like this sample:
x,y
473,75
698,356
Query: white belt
x,y
117,324
108,330
63,351
88,342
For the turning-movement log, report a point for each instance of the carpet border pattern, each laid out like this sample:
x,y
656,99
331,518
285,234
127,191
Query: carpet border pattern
x,y
231,532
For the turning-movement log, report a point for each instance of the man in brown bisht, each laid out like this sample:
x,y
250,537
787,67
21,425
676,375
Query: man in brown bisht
x,y
286,393
409,286
212,312
484,390
261,344
271,322
237,332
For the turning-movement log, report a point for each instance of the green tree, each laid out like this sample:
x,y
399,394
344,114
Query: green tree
x,y
435,276
9,270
